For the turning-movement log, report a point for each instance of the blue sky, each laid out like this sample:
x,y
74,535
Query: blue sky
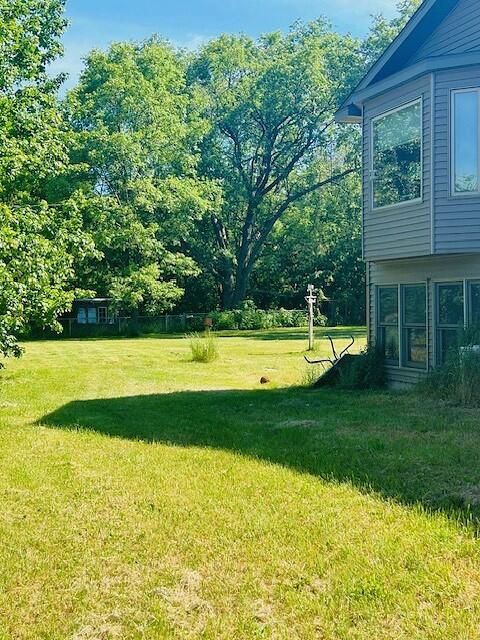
x,y
188,23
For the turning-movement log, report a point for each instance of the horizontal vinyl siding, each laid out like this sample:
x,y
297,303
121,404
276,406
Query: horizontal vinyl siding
x,y
433,269
458,33
402,230
457,218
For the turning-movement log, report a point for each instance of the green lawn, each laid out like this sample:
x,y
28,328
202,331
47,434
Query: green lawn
x,y
144,496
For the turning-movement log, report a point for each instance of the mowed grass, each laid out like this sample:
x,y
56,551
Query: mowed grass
x,y
146,496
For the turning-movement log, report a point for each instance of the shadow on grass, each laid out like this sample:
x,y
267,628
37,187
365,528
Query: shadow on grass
x,y
294,333
393,444
298,333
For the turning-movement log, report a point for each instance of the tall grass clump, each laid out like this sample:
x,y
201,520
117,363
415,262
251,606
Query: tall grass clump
x,y
311,375
355,372
204,347
363,372
457,381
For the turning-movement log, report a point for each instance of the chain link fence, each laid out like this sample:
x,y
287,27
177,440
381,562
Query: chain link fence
x,y
173,324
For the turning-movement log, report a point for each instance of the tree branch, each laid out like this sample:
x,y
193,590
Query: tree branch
x,y
269,223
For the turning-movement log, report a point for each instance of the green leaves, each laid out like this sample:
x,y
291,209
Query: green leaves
x,y
134,152
36,266
272,140
36,241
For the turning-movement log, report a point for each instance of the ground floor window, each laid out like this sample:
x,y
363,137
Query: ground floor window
x,y
87,315
102,315
402,324
414,325
474,304
387,323
450,317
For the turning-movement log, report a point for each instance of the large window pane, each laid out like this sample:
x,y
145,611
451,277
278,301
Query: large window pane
x,y
387,323
389,342
450,304
415,304
414,326
388,305
416,346
450,317
397,156
448,341
475,304
466,141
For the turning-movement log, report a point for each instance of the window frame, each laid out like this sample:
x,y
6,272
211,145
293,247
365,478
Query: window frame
x,y
81,312
99,321
453,192
384,114
405,327
469,285
439,361
388,361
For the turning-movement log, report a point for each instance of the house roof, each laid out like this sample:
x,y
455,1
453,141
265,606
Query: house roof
x,y
395,58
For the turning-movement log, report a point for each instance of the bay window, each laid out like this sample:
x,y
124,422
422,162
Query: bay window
x,y
397,156
465,141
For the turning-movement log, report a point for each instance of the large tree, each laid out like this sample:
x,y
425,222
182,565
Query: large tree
x,y
273,140
36,240
318,241
135,132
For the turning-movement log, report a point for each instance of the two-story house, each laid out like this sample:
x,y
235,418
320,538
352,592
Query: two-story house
x,y
419,107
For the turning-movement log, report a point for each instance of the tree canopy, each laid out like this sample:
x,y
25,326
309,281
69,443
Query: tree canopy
x,y
272,140
36,241
167,178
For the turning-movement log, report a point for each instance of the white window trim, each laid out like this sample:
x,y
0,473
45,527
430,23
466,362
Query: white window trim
x,y
404,363
436,327
98,315
403,203
453,192
389,363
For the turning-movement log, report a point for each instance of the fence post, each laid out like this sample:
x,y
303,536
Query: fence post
x,y
166,323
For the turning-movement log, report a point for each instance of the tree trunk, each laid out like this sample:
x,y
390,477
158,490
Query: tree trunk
x,y
227,288
242,281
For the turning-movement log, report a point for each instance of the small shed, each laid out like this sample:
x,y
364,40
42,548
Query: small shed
x,y
93,311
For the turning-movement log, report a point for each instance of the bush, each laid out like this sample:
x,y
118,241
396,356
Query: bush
x,y
457,381
248,317
204,347
365,371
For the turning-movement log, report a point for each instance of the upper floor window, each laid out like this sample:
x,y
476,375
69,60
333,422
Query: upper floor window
x,y
465,141
397,156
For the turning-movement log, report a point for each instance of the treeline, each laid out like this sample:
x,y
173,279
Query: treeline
x,y
175,180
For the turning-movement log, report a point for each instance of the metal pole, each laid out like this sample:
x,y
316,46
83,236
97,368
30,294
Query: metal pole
x,y
311,300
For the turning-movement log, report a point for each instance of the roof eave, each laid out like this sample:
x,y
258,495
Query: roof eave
x,y
349,114
391,50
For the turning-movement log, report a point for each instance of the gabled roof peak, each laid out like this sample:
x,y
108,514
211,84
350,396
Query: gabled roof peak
x,y
396,57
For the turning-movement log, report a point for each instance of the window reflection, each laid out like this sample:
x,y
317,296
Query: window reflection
x,y
397,156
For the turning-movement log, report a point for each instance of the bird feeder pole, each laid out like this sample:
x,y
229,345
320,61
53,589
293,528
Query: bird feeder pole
x,y
310,299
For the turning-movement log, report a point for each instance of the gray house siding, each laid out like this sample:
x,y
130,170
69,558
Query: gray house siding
x,y
457,218
458,33
401,230
435,240
429,270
